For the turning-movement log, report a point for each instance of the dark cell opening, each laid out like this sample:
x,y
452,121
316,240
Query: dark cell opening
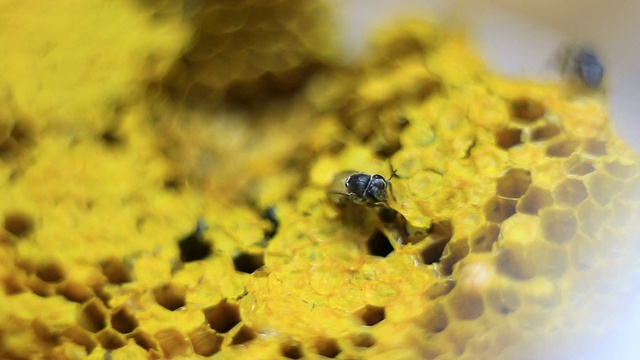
x,y
363,340
223,317
245,334
18,224
440,236
93,316
527,110
292,350
371,315
110,339
112,138
171,297
50,272
80,336
116,271
497,209
174,183
328,348
75,292
562,149
534,200
379,245
546,132
248,263
388,149
145,341
194,247
514,183
508,138
123,321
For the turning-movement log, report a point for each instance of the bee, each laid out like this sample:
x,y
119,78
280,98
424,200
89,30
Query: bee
x,y
581,63
358,188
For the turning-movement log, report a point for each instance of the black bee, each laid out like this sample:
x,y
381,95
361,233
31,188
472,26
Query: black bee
x,y
582,63
359,188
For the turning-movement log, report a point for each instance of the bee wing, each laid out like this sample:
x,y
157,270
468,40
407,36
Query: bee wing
x,y
337,190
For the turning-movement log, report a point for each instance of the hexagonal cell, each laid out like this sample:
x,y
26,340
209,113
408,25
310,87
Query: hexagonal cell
x,y
438,239
483,239
379,245
144,340
453,252
527,110
50,272
93,316
328,348
170,296
545,132
515,263
123,321
514,183
591,217
508,138
80,336
562,148
363,340
503,300
223,317
595,147
603,188
558,225
371,315
570,193
116,271
110,339
466,306
19,224
194,247
498,209
205,341
578,165
433,319
14,283
248,263
292,350
535,199
243,335
74,291
172,342
620,170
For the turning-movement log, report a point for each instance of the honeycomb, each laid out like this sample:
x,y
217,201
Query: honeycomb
x,y
139,224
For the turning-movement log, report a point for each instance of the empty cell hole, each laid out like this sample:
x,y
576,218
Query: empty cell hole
x,y
171,297
144,340
579,166
562,149
503,301
434,319
467,306
508,138
379,245
595,147
453,252
123,321
545,132
244,334
292,350
80,336
499,209
205,341
570,192
93,316
110,339
527,110
194,247
328,348
112,137
515,263
75,292
534,200
440,236
50,272
363,340
483,239
116,271
371,315
620,170
248,263
514,183
558,225
223,317
19,224
172,343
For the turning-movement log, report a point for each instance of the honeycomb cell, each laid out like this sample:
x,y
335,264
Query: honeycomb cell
x,y
93,316
379,245
40,287
248,263
223,317
144,340
595,147
438,239
483,239
570,193
535,199
19,224
503,299
562,148
620,170
527,110
453,252
123,321
74,291
363,340
466,306
172,342
110,339
243,335
116,271
205,341
498,209
292,350
194,247
371,315
515,263
602,188
558,225
591,217
578,165
80,336
514,183
433,319
508,138
170,296
545,132
327,347
51,272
